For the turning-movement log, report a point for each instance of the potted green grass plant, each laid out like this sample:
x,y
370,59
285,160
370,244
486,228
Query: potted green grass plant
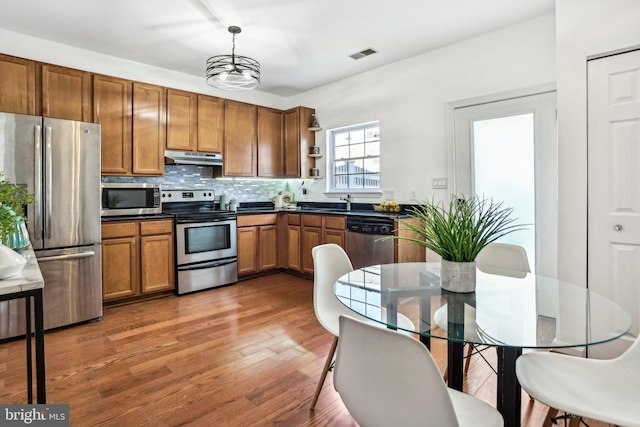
x,y
458,231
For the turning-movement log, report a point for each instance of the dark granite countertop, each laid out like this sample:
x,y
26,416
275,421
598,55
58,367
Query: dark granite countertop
x,y
357,209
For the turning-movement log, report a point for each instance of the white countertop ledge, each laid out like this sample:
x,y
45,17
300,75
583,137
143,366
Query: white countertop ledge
x,y
29,279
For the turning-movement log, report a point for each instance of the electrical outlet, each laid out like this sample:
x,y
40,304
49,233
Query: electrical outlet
x,y
412,194
388,195
439,182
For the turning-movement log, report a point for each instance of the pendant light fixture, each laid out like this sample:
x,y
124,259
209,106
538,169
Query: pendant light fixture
x,y
233,72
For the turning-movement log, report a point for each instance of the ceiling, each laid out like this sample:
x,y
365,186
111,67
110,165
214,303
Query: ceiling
x,y
300,44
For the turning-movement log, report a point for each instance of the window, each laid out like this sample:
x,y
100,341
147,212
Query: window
x,y
354,164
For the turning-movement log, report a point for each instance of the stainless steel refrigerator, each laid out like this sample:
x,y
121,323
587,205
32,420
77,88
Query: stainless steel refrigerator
x,y
59,161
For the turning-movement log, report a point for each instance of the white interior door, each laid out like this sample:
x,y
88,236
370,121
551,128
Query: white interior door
x,y
613,258
506,150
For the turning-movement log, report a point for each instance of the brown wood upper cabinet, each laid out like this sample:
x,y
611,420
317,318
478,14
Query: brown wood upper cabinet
x,y
182,120
149,137
240,139
270,143
66,93
297,140
132,116
112,109
210,124
17,85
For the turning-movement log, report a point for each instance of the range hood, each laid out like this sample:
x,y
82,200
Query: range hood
x,y
192,158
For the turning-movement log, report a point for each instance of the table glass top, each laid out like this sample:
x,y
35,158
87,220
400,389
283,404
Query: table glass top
x,y
508,309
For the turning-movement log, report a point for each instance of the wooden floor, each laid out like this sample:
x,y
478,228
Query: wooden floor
x,y
249,354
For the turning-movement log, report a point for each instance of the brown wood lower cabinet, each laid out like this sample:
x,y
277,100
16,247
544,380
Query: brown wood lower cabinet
x,y
137,258
293,242
260,236
308,230
257,243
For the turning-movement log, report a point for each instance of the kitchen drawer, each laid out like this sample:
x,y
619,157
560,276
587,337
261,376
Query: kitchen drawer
x,y
293,219
335,222
254,220
312,220
156,227
115,230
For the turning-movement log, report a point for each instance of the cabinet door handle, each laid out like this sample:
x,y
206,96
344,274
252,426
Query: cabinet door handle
x,y
617,227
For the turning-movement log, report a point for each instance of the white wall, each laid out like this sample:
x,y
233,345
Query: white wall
x,y
55,53
410,99
585,28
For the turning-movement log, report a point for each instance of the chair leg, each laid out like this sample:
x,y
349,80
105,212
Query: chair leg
x,y
466,363
323,376
551,414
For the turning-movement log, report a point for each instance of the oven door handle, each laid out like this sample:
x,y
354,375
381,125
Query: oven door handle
x,y
205,265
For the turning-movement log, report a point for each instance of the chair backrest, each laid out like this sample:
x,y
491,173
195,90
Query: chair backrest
x,y
330,262
386,378
503,256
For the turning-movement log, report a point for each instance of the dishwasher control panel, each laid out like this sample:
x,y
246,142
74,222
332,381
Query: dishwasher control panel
x,y
379,226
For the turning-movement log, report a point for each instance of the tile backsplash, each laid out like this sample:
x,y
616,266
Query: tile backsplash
x,y
187,177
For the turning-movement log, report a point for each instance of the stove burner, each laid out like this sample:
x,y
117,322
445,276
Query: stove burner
x,y
189,206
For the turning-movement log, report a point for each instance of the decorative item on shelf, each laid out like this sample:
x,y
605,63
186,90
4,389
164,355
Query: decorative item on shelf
x,y
11,262
458,232
314,150
314,172
233,72
315,125
13,199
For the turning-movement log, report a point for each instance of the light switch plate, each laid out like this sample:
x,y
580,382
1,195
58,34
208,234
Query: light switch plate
x,y
439,182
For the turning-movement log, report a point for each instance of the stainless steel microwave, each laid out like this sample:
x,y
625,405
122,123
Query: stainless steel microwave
x,y
130,199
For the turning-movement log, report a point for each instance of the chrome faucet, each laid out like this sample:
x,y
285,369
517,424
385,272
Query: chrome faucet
x,y
347,198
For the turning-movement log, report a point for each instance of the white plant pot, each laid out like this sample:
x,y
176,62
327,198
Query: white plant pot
x,y
11,262
458,276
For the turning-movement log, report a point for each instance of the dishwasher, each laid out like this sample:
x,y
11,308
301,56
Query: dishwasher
x,y
363,246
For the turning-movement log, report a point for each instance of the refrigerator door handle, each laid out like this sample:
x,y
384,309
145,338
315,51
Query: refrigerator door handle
x,y
66,256
49,180
38,176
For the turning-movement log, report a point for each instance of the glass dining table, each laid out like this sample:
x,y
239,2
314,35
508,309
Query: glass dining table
x,y
509,310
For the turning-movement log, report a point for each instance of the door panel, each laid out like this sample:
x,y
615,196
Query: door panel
x,y
613,259
473,126
71,183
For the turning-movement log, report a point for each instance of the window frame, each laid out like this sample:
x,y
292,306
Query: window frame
x,y
330,164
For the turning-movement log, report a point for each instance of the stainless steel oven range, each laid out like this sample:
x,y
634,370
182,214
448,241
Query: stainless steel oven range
x,y
206,242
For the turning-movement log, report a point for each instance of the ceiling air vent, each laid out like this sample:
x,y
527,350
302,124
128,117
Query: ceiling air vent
x,y
362,54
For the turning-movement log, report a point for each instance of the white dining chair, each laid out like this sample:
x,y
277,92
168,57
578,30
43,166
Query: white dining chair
x,y
603,390
330,262
387,379
495,258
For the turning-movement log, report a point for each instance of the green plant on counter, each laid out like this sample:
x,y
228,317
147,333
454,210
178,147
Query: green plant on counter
x,y
13,199
459,231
